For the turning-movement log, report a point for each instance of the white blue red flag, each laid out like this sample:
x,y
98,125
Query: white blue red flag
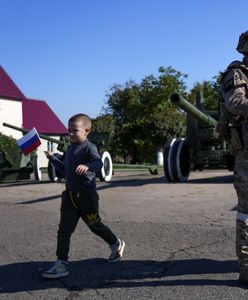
x,y
29,141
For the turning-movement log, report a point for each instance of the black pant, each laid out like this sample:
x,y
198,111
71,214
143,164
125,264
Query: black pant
x,y
73,206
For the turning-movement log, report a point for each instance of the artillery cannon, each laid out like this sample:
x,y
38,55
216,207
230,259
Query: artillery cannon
x,y
101,140
14,165
202,147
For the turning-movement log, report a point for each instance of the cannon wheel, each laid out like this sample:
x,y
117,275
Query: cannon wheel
x,y
177,160
36,168
167,160
53,174
107,170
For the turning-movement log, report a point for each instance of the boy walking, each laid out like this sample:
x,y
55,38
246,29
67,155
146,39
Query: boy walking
x,y
80,198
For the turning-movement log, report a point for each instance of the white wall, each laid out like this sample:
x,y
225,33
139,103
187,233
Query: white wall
x,y
43,147
11,112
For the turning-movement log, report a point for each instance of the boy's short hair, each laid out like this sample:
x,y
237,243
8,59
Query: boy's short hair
x,y
85,119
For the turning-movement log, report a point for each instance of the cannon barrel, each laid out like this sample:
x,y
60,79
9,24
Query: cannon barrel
x,y
54,175
43,136
191,109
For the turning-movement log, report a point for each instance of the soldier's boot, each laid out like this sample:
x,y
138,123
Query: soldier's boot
x,y
243,271
243,278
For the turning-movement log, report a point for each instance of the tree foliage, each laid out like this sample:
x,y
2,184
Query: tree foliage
x,y
144,118
103,123
209,91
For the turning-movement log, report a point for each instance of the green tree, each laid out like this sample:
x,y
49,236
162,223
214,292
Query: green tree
x,y
103,123
144,118
209,91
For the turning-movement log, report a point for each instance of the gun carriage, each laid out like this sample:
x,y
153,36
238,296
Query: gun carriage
x,y
202,147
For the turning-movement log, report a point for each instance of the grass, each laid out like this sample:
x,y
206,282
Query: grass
x,y
135,167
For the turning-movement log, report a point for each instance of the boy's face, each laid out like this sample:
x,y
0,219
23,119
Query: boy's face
x,y
77,132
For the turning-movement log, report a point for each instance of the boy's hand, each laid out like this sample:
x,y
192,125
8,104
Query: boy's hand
x,y
81,169
48,154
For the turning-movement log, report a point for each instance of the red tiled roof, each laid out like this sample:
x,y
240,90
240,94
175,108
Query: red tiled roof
x,y
36,113
8,88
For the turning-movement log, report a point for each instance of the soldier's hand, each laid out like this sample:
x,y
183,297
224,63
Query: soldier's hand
x,y
48,154
81,169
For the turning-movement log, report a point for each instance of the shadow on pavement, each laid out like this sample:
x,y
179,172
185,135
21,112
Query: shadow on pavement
x,y
132,182
98,273
162,180
129,181
214,179
24,182
43,199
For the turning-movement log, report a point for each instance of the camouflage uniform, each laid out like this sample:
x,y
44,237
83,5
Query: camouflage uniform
x,y
234,92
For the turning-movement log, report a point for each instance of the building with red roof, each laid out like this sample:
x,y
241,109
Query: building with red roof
x,y
20,111
8,88
36,113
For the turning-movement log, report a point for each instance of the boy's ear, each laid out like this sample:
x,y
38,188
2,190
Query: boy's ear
x,y
88,130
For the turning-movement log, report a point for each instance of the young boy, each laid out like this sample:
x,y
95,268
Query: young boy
x,y
80,198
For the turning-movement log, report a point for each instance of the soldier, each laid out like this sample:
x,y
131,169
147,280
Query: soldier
x,y
234,114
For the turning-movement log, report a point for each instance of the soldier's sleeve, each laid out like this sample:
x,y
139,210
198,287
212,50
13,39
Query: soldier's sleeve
x,y
58,164
234,91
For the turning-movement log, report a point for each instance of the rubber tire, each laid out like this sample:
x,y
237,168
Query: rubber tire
x,y
167,159
181,160
36,168
177,160
107,170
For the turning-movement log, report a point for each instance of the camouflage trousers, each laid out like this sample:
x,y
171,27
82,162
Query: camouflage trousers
x,y
241,187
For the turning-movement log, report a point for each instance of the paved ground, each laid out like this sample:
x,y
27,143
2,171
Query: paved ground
x,y
179,237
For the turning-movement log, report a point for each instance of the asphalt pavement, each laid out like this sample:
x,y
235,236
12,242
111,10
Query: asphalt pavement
x,y
180,240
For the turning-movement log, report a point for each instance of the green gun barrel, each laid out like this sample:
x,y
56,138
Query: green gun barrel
x,y
43,136
191,109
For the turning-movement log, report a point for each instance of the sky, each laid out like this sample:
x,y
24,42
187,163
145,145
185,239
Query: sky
x,y
71,52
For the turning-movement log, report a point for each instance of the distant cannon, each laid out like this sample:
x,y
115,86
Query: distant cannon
x,y
9,164
14,165
202,147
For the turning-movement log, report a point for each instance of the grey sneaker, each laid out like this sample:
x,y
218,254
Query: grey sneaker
x,y
60,269
117,251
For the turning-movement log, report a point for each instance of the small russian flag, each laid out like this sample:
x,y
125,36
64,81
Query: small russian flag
x,y
29,141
